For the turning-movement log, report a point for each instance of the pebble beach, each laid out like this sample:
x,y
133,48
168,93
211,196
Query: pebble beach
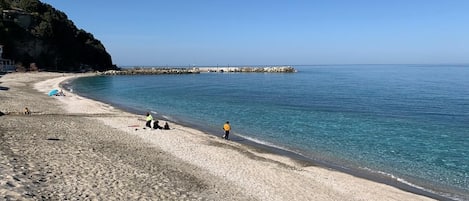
x,y
74,148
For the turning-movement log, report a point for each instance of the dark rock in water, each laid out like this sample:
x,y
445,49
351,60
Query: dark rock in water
x,y
1,113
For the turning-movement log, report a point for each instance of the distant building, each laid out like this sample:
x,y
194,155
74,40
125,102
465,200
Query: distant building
x,y
20,17
6,65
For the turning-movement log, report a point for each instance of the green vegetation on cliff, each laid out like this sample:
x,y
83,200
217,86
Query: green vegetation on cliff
x,y
35,32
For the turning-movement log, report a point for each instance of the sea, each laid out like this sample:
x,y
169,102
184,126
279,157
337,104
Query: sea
x,y
404,125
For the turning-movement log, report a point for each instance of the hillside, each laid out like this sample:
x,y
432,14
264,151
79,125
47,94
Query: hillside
x,y
35,32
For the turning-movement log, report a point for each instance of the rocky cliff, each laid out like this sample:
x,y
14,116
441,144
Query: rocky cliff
x,y
32,32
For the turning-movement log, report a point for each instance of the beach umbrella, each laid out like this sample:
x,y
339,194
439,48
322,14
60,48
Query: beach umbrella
x,y
53,92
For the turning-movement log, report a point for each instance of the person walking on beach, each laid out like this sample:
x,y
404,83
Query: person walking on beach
x,y
149,119
227,129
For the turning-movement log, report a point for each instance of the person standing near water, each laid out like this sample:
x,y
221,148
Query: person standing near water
x,y
227,129
149,119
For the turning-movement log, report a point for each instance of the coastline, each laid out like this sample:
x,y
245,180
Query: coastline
x,y
214,164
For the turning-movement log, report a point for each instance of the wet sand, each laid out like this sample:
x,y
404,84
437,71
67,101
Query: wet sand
x,y
73,148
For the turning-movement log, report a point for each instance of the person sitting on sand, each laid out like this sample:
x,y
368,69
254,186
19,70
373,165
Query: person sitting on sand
x,y
27,111
60,93
156,125
166,126
149,119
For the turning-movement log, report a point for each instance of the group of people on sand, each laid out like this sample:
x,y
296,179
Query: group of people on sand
x,y
60,93
149,121
155,125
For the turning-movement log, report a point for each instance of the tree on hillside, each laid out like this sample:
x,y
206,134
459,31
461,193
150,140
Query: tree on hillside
x,y
26,5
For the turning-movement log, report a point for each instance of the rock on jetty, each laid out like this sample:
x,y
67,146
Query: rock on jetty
x,y
194,70
149,71
269,69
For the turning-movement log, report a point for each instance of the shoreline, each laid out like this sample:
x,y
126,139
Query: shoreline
x,y
280,177
374,176
298,158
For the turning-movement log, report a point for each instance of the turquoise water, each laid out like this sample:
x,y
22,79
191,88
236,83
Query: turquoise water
x,y
409,122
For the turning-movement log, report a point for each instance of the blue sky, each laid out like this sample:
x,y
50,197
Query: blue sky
x,y
258,32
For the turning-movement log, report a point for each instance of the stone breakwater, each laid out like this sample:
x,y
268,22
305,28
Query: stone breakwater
x,y
270,69
149,71
157,71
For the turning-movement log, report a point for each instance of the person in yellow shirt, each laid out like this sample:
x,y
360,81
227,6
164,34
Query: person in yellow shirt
x,y
227,129
149,119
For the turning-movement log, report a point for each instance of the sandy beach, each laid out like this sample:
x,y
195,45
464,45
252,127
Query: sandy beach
x,y
73,148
